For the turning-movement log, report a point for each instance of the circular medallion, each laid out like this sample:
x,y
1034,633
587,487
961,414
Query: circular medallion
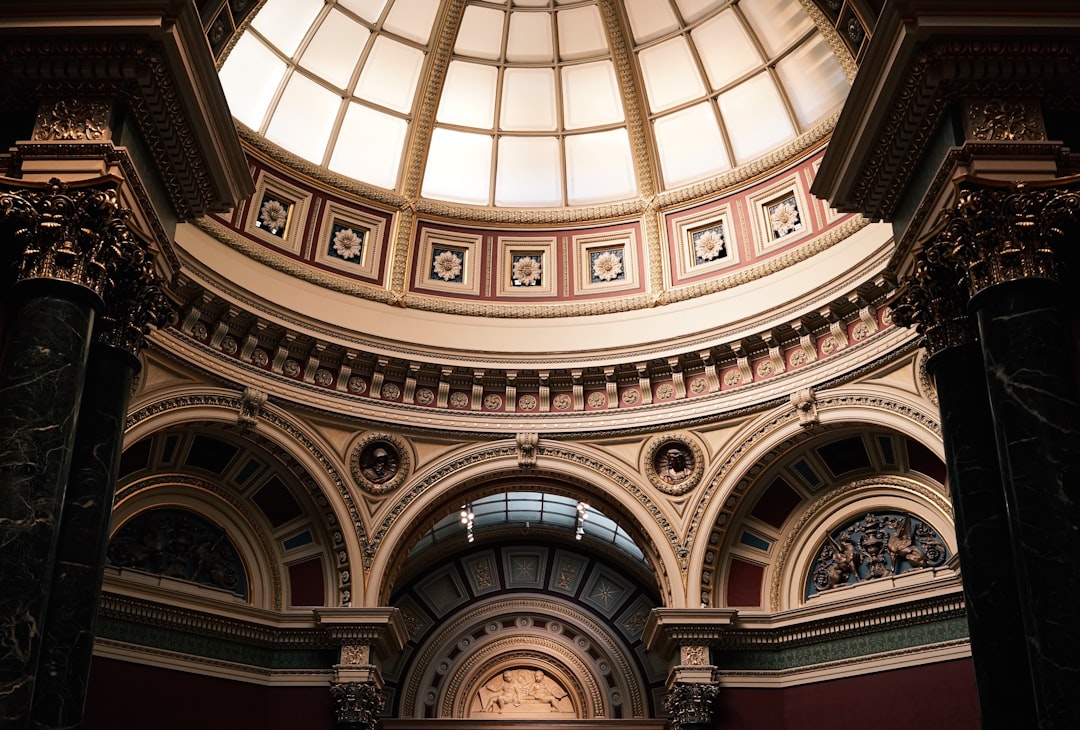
x,y
357,385
674,463
527,402
561,402
379,463
458,400
597,399
493,401
425,396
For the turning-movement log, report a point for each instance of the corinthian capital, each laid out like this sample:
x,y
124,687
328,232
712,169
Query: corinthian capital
x,y
357,703
80,234
691,704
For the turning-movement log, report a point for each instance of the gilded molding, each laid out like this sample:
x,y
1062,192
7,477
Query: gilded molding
x,y
825,401
232,403
448,634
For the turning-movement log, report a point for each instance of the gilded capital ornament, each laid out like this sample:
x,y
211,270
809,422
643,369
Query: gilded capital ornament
x,y
996,232
691,704
80,234
357,703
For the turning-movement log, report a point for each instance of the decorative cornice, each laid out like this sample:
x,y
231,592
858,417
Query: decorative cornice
x,y
913,73
157,62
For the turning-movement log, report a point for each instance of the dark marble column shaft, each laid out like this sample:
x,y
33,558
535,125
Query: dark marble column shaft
x,y
1027,356
980,513
41,382
68,638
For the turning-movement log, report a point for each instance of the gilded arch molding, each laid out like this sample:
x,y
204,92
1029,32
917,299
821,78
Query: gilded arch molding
x,y
145,494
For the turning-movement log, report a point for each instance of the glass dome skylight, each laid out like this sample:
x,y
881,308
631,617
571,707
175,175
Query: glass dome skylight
x,y
532,509
532,102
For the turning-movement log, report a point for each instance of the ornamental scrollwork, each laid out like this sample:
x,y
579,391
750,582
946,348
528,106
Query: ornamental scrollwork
x,y
996,233
1004,120
80,234
357,703
72,119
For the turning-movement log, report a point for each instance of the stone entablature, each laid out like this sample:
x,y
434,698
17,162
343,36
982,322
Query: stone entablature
x,y
743,372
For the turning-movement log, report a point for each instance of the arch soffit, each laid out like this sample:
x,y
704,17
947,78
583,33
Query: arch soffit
x,y
307,457
766,439
578,469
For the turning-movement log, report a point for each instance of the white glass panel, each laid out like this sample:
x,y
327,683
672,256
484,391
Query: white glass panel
x,y
530,3
528,172
528,99
390,74
814,81
581,33
481,33
458,167
468,96
599,167
249,93
650,18
284,22
670,74
778,23
690,145
333,52
412,19
304,117
691,10
755,117
369,10
591,95
369,146
530,37
726,51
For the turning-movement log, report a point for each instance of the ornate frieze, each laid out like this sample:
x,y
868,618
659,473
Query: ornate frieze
x,y
65,120
357,703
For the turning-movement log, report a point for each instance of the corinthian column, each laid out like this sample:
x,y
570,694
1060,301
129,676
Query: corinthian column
x,y
133,303
934,301
64,240
998,258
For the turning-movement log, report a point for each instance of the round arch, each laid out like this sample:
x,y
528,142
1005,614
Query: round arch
x,y
303,453
487,469
767,438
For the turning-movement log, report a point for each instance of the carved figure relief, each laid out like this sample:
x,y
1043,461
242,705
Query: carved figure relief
x,y
875,546
378,462
523,691
674,464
